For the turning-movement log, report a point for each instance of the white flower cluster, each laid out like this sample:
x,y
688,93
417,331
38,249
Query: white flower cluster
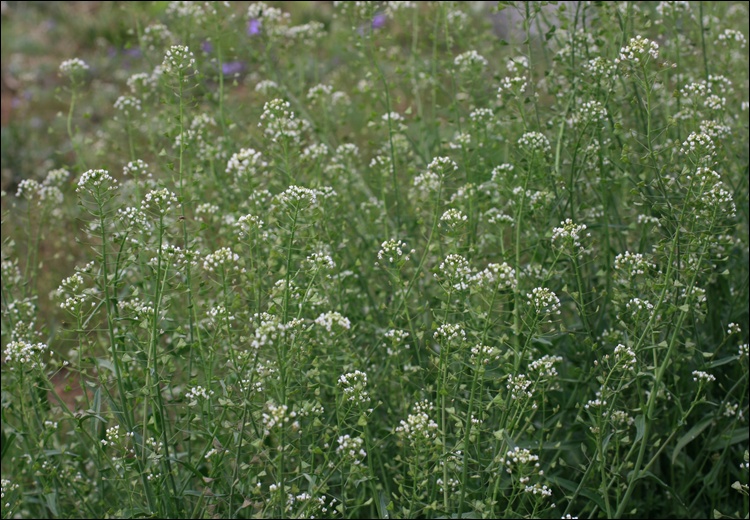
x,y
483,119
496,277
24,355
453,218
396,338
135,169
450,332
538,489
495,216
621,418
569,234
156,36
716,103
518,457
633,264
512,86
733,328
248,223
73,68
159,201
343,159
96,181
128,105
354,385
470,61
198,393
452,484
394,252
223,258
141,309
271,330
699,144
600,69
396,120
418,426
460,140
11,273
279,122
328,319
715,130
598,402
174,256
703,377
535,142
455,272
711,194
626,356
545,365
71,289
426,183
502,173
47,191
518,386
442,166
648,219
178,60
299,196
277,415
143,84
544,301
636,305
246,163
731,36
219,315
305,34
271,20
266,87
456,18
590,112
315,152
351,448
484,354
672,8
639,50
392,7
206,208
186,9
320,260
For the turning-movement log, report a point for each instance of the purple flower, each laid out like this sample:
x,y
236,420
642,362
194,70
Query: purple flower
x,y
253,27
207,47
378,21
133,52
231,68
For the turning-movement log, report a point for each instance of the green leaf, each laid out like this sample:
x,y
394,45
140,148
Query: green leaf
x,y
690,436
51,499
648,474
640,425
569,485
721,442
7,442
722,361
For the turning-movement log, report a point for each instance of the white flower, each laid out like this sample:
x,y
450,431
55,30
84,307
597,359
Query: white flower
x,y
639,50
73,68
178,60
470,61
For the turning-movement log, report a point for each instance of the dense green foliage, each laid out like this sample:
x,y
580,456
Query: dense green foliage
x,y
375,259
